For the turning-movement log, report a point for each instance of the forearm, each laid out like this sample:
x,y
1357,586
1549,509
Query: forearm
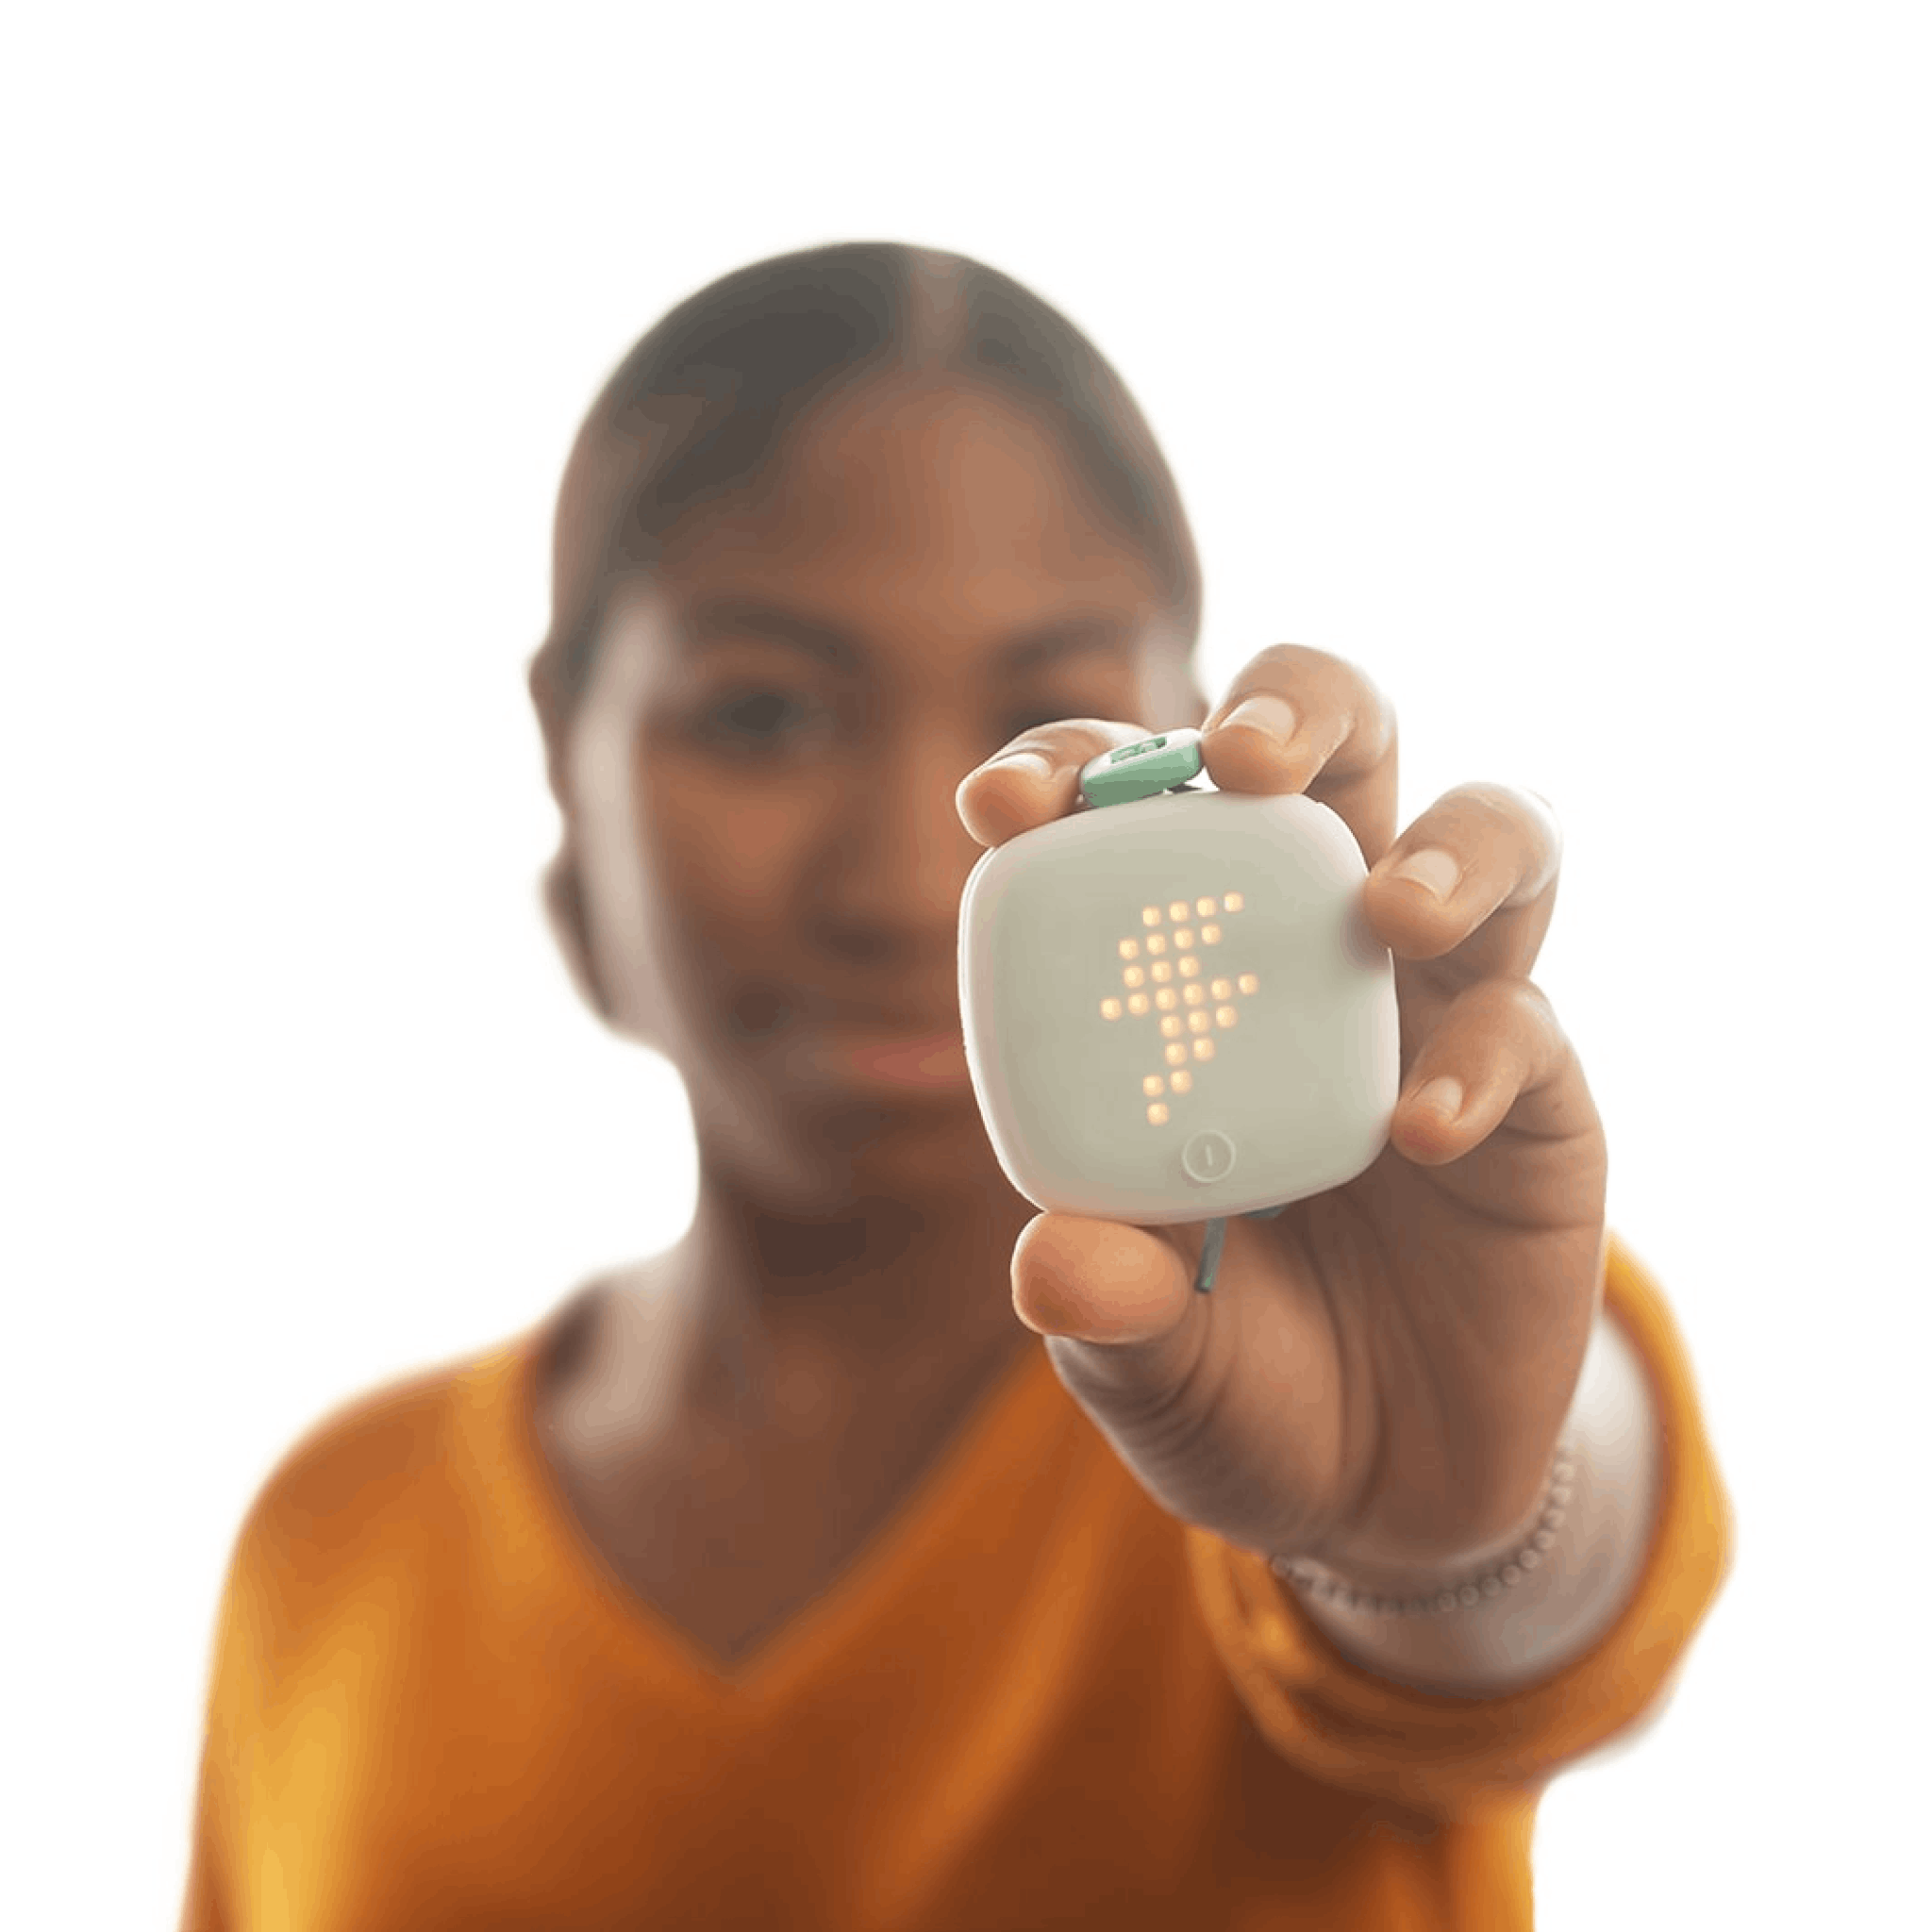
x,y
1524,1627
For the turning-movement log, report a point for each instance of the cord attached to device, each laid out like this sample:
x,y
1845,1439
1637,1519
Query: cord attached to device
x,y
1211,1245
1210,1254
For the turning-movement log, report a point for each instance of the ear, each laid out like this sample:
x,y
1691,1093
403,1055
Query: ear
x,y
568,914
563,904
593,887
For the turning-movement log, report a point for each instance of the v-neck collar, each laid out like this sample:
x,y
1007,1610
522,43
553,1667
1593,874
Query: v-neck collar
x,y
1011,1417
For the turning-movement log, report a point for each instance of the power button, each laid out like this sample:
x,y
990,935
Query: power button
x,y
1208,1157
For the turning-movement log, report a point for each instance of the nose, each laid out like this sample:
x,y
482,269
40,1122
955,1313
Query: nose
x,y
890,888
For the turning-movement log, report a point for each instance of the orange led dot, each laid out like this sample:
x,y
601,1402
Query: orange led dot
x,y
1130,949
1158,944
1221,989
1137,1002
1248,982
1194,995
1189,968
1203,1049
1211,935
1182,1082
1198,1022
1164,999
1233,902
1162,973
1153,1084
1224,1016
1150,915
1177,1053
1171,1025
1109,1009
1185,937
1204,907
1157,1114
1133,975
1178,911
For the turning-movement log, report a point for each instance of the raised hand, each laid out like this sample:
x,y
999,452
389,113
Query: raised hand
x,y
1379,1379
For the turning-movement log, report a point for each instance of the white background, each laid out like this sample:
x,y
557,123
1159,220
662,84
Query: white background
x,y
1566,366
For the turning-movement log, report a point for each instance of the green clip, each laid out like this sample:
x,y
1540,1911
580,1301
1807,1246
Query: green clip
x,y
1141,770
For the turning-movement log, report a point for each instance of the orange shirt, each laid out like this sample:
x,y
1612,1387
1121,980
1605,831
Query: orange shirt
x,y
1036,1700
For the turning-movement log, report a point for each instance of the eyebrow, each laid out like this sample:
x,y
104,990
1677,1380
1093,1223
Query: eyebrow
x,y
714,621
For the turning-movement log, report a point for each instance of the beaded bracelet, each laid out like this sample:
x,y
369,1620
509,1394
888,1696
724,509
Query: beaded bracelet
x,y
1317,1584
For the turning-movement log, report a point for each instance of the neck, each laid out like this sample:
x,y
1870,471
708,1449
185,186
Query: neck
x,y
872,1290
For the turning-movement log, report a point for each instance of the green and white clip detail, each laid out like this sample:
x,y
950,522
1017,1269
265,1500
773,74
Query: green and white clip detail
x,y
1142,769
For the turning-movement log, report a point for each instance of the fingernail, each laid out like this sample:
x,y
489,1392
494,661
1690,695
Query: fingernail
x,y
1443,1096
1433,870
1036,764
1264,711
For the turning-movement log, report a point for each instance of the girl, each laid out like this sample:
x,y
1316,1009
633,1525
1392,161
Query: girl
x,y
786,1579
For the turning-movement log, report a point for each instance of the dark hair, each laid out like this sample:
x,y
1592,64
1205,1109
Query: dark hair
x,y
702,403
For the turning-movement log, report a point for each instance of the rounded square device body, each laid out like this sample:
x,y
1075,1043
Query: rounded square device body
x,y
1174,1009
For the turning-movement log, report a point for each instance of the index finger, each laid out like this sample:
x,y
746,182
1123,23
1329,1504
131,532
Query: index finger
x,y
1296,719
1035,779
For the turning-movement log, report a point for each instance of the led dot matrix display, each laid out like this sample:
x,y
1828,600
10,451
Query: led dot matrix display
x,y
1191,923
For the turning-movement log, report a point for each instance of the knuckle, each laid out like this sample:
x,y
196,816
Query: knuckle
x,y
1510,1014
1305,668
1527,1021
1320,683
1527,813
1529,1007
1290,657
1522,821
1539,817
1521,1002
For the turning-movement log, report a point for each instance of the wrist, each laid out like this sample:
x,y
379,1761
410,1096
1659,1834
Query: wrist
x,y
1460,1581
1466,1629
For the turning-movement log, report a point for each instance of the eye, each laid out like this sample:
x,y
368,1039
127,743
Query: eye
x,y
750,720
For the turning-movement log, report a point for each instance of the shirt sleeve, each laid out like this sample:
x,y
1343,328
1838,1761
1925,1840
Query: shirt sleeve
x,y
213,1863
1348,1727
309,1642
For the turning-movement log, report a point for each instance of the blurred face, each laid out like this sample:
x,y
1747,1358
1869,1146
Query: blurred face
x,y
790,705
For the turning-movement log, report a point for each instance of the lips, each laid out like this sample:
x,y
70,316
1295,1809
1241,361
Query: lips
x,y
855,1041
925,1059
764,1006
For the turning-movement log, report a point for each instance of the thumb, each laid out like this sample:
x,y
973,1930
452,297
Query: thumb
x,y
1119,1300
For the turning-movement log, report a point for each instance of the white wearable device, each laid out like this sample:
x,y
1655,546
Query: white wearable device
x,y
1174,1008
